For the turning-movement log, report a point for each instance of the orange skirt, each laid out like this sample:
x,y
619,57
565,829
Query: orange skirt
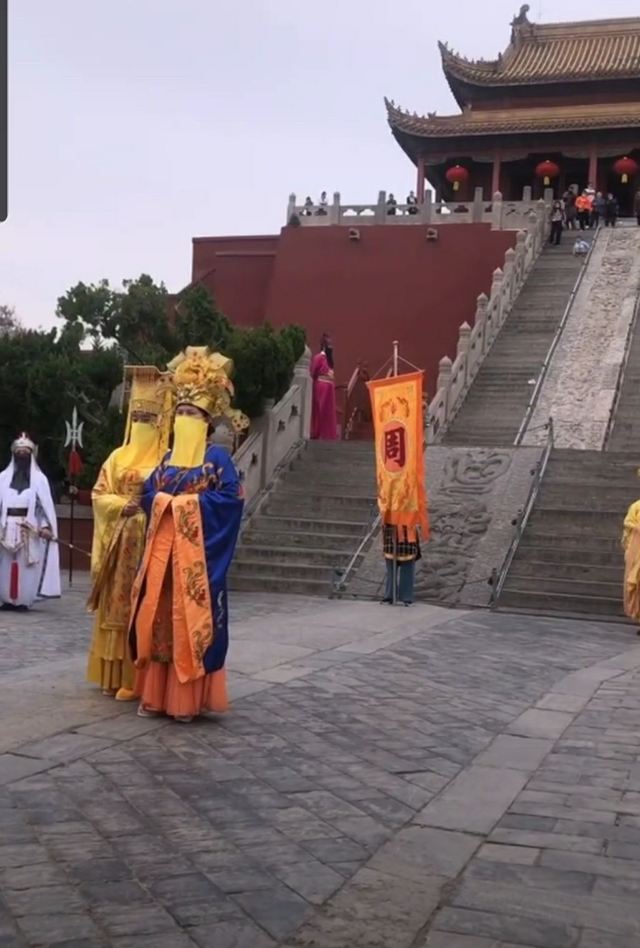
x,y
158,688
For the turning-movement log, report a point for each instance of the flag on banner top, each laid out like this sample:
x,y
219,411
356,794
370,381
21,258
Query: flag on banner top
x,y
75,464
396,405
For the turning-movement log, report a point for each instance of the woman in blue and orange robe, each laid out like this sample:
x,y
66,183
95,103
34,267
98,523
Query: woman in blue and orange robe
x,y
179,634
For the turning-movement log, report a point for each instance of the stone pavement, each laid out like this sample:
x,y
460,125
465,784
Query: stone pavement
x,y
388,778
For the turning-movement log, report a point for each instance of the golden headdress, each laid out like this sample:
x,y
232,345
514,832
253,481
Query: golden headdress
x,y
147,389
202,378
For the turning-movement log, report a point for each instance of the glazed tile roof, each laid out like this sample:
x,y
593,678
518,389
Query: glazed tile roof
x,y
499,121
552,52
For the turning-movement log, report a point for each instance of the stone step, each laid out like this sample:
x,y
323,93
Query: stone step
x,y
601,571
298,501
347,485
287,568
548,603
307,525
571,587
310,555
344,542
555,546
597,496
279,584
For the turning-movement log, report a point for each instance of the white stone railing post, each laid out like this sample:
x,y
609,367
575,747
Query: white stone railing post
x,y
496,211
291,207
509,278
302,378
494,310
444,379
478,206
462,351
381,208
334,210
426,208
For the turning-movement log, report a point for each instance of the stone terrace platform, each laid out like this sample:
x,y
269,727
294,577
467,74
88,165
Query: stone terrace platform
x,y
388,778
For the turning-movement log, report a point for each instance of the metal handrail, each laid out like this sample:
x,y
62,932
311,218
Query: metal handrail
x,y
533,401
499,576
341,580
621,374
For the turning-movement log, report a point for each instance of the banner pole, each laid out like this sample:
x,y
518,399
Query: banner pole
x,y
394,597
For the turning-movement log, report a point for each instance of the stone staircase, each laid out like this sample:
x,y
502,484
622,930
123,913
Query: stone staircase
x,y
499,395
311,523
570,559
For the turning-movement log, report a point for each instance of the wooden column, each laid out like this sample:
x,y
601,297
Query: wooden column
x,y
495,178
592,177
420,181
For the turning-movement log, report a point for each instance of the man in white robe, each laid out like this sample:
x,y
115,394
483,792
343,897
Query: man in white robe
x,y
29,560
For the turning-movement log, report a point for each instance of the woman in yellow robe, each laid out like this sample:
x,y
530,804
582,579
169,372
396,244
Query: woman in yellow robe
x,y
119,529
631,545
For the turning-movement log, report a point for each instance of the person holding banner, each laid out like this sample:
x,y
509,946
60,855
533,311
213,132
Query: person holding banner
x,y
397,410
401,553
120,525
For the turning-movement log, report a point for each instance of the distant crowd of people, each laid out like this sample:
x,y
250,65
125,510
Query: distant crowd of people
x,y
584,210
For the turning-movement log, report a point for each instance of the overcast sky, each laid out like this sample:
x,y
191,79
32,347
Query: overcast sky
x,y
137,124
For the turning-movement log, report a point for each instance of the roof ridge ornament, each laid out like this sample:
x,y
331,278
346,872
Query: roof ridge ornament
x,y
520,19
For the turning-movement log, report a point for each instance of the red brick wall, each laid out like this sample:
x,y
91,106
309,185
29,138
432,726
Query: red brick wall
x,y
237,271
391,284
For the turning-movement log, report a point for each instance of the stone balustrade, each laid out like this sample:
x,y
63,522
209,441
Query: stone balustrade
x,y
500,214
455,377
276,432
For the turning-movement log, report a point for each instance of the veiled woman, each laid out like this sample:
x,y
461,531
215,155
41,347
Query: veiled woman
x,y
179,633
119,528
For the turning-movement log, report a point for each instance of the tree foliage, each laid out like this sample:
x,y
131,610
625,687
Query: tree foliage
x,y
150,327
44,375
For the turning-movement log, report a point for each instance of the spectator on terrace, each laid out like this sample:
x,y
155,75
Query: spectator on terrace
x,y
584,203
570,212
323,205
392,205
599,209
557,222
412,203
612,209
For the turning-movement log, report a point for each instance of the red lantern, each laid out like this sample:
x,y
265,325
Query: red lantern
x,y
547,170
626,168
456,176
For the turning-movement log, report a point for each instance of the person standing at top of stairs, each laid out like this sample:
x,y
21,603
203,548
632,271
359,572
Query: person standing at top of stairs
x,y
324,425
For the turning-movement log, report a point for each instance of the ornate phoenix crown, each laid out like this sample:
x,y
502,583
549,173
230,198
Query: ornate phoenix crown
x,y
149,390
202,378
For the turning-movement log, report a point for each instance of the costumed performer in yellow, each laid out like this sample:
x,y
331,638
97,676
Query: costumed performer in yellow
x,y
179,622
631,546
120,525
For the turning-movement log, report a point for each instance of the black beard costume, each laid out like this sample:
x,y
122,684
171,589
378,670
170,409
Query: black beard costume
x,y
21,479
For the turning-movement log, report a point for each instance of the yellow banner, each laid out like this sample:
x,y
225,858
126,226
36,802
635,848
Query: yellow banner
x,y
396,405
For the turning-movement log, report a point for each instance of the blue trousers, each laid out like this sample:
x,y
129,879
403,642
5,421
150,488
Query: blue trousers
x,y
405,576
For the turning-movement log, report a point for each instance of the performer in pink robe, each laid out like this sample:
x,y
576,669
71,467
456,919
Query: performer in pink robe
x,y
324,423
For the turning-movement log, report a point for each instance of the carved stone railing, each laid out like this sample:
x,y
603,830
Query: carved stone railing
x,y
276,432
500,214
455,378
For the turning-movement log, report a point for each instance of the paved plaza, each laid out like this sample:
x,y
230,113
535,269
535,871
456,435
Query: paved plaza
x,y
387,778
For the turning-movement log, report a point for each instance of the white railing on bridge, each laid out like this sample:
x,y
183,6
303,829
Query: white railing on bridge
x,y
500,214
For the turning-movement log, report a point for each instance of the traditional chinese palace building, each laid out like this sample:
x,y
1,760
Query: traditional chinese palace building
x,y
560,106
